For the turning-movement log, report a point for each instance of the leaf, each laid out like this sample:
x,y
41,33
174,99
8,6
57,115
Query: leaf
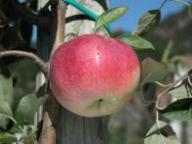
x,y
179,92
155,135
148,21
6,89
5,113
153,71
190,10
179,110
28,134
137,42
110,16
27,107
7,137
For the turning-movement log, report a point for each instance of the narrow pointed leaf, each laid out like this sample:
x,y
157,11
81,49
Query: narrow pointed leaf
x,y
137,42
110,16
148,21
179,110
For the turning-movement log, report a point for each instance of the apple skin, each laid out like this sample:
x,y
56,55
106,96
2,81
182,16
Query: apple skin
x,y
93,75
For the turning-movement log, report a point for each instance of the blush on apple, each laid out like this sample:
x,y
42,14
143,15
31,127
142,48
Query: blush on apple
x,y
93,75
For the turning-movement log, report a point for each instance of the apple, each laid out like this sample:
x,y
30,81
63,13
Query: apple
x,y
93,75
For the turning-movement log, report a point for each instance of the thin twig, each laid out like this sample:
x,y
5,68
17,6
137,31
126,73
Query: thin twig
x,y
60,32
162,5
168,88
43,65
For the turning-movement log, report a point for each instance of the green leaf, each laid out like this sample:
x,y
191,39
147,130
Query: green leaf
x,y
148,21
29,132
5,113
7,137
137,42
153,71
155,135
6,89
179,92
179,110
27,107
110,16
190,11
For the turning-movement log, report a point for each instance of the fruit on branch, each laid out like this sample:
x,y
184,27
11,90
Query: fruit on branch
x,y
93,75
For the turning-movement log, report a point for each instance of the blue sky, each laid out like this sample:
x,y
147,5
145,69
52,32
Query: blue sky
x,y
136,8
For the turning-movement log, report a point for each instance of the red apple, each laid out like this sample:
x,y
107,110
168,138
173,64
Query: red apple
x,y
93,75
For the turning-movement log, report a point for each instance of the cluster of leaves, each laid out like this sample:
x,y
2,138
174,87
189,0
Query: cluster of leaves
x,y
135,40
153,72
17,123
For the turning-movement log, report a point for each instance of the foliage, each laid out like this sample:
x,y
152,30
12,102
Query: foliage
x,y
161,133
110,16
148,21
137,42
22,118
17,115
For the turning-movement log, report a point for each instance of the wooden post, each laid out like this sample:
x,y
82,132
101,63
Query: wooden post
x,y
71,128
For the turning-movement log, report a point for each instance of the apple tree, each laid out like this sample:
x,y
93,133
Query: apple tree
x,y
67,78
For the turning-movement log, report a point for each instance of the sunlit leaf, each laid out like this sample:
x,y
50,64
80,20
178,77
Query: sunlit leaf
x,y
110,16
148,21
156,135
153,71
137,42
27,107
179,110
179,92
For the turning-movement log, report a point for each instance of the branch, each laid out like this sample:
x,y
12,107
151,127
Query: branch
x,y
43,65
172,85
60,28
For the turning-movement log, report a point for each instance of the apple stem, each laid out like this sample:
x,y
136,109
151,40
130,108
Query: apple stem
x,y
42,64
60,30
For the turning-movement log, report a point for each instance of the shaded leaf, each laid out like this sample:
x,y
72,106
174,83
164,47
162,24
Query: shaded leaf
x,y
27,107
6,89
179,110
110,16
137,42
28,134
153,71
190,11
155,135
7,137
148,21
5,113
